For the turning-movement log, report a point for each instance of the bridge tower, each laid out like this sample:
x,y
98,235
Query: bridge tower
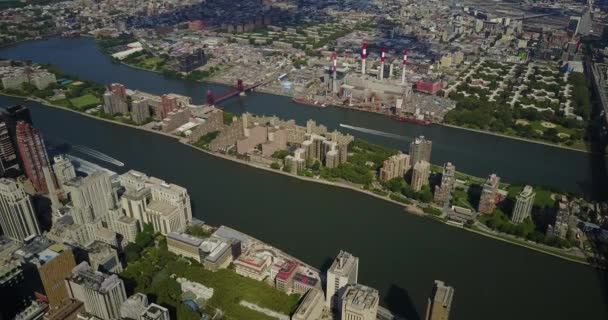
x,y
239,85
210,98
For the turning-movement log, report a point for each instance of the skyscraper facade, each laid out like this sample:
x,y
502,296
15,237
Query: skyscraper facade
x,y
444,189
140,111
92,196
64,169
523,205
420,150
395,167
489,195
55,267
33,155
440,302
102,294
8,153
343,271
420,175
17,217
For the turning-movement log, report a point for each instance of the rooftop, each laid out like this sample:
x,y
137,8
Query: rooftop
x,y
360,297
183,237
344,264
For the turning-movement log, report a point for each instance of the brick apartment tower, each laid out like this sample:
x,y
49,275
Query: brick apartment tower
x,y
33,154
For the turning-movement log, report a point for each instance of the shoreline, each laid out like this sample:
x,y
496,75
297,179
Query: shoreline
x,y
408,208
549,144
271,92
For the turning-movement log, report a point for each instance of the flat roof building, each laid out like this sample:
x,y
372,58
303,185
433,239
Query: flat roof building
x,y
311,307
440,302
359,302
343,271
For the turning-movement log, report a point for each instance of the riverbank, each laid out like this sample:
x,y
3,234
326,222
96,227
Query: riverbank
x,y
513,137
283,94
409,208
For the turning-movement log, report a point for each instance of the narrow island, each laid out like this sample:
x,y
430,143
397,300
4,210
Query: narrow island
x,y
535,217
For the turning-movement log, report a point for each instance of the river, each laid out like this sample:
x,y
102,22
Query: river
x,y
400,254
477,154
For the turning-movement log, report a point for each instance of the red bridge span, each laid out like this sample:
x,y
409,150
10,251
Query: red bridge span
x,y
240,88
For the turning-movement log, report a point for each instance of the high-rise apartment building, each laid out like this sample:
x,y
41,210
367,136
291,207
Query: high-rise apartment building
x,y
8,153
17,217
119,90
168,103
56,264
92,196
359,302
102,294
489,195
33,155
140,111
11,116
64,169
420,150
113,103
420,175
440,302
343,271
445,188
523,205
394,167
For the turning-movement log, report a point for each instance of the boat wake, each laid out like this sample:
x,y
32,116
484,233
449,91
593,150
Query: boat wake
x,y
375,132
98,155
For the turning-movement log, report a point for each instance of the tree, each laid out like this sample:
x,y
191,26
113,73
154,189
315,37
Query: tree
x,y
275,166
396,184
132,252
425,195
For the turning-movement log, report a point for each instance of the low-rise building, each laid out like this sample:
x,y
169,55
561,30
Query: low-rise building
x,y
185,245
284,279
252,267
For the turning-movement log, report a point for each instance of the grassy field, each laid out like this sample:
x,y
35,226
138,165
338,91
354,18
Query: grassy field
x,y
461,198
230,288
86,100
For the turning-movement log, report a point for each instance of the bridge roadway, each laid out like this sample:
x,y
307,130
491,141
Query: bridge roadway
x,y
238,90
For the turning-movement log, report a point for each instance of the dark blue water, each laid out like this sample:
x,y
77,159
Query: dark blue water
x,y
400,254
477,154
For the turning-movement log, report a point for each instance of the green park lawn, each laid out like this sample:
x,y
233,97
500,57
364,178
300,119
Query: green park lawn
x,y
85,100
229,287
461,198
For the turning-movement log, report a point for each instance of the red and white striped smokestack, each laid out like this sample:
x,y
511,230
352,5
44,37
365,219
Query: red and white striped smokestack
x,y
334,85
334,57
363,57
404,64
382,58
